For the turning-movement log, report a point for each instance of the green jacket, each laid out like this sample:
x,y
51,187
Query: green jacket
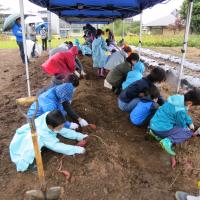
x,y
117,75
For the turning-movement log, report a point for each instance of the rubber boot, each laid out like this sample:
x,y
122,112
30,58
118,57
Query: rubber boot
x,y
167,146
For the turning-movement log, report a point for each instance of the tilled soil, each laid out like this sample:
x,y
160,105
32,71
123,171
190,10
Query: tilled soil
x,y
120,164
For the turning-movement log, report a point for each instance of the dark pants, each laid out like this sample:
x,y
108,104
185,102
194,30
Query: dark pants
x,y
33,51
44,44
176,135
21,49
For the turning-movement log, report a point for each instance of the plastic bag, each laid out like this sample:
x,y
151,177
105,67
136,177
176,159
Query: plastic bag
x,y
38,49
29,45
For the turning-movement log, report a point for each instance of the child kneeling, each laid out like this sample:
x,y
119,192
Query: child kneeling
x,y
146,107
171,123
48,126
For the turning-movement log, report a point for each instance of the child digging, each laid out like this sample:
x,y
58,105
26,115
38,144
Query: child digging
x,y
171,123
146,107
48,126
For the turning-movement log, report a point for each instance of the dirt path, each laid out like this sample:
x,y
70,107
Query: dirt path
x,y
121,165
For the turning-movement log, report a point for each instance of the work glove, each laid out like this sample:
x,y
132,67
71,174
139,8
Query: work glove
x,y
73,126
191,126
83,122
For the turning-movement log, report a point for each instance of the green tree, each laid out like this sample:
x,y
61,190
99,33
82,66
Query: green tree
x,y
129,28
195,22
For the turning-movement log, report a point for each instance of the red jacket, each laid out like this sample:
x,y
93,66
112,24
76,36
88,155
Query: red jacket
x,y
61,62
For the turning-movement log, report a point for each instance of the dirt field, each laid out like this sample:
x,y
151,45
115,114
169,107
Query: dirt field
x,y
122,165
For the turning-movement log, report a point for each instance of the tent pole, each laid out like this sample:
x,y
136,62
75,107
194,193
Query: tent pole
x,y
21,5
140,35
49,29
187,30
123,28
70,30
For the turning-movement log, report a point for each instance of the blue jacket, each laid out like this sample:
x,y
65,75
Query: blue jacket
x,y
172,113
143,109
21,146
52,99
134,89
98,52
134,75
17,32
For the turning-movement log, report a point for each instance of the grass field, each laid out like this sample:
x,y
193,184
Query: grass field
x,y
147,41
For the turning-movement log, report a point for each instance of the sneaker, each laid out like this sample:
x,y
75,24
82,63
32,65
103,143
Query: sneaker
x,y
167,146
152,135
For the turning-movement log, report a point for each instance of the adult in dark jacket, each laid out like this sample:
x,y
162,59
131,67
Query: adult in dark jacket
x,y
129,97
117,75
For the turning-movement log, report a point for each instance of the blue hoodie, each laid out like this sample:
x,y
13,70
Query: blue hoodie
x,y
17,32
134,75
172,113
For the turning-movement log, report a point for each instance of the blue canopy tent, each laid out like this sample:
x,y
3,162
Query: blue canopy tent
x,y
110,9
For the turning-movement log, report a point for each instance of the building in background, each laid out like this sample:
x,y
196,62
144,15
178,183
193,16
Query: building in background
x,y
165,25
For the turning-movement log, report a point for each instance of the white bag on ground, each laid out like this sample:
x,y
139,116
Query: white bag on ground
x,y
29,45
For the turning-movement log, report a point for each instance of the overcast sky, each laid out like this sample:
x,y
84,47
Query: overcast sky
x,y
156,12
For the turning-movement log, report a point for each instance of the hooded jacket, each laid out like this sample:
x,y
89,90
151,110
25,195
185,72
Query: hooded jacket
x,y
172,113
61,62
116,76
134,75
115,59
98,52
144,108
21,146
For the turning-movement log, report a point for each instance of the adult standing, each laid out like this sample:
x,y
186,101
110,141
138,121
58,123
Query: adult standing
x,y
31,35
43,34
17,32
111,36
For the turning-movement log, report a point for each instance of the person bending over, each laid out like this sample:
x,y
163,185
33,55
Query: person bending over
x,y
146,107
117,75
59,98
171,123
48,126
129,97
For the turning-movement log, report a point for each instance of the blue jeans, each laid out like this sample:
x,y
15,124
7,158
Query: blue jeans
x,y
21,49
128,107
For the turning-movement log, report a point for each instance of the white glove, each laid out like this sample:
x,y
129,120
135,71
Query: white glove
x,y
83,122
83,73
73,126
191,126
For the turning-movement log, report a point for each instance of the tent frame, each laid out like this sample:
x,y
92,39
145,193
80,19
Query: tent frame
x,y
185,44
21,5
49,29
140,34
